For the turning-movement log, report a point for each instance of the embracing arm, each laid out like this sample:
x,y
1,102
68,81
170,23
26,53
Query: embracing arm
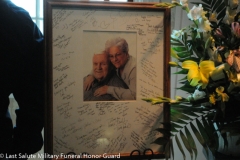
x,y
122,93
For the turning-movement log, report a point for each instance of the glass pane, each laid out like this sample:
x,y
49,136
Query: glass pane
x,y
41,26
29,5
41,8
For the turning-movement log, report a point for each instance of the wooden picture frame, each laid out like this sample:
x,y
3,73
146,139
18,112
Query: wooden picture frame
x,y
77,30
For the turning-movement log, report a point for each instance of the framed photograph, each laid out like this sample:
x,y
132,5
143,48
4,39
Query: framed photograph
x,y
102,59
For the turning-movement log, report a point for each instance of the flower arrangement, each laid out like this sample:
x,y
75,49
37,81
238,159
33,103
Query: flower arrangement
x,y
207,54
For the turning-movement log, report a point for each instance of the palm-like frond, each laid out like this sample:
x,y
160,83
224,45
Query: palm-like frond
x,y
184,119
189,122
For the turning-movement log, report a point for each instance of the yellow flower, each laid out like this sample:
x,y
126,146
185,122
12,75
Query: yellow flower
x,y
212,99
233,76
224,96
198,75
213,17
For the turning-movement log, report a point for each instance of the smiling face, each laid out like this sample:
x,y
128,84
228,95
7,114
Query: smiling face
x,y
117,57
100,66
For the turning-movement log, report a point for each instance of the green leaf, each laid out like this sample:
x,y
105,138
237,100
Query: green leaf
x,y
176,126
186,144
184,38
207,126
202,131
199,137
187,87
179,49
191,113
176,44
185,54
206,1
174,130
215,6
218,6
189,110
183,71
176,40
191,142
221,14
184,79
180,147
161,141
182,122
175,116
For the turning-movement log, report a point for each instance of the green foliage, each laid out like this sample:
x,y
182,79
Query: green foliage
x,y
189,121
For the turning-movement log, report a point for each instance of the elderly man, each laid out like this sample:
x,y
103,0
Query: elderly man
x,y
103,75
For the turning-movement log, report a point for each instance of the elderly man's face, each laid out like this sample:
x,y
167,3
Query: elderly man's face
x,y
100,66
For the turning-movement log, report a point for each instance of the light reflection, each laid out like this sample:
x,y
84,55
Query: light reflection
x,y
102,141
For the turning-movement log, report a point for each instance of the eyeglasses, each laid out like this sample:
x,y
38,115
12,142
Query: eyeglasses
x,y
115,56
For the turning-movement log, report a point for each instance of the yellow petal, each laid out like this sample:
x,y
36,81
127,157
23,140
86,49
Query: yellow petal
x,y
212,99
225,97
190,65
204,78
232,76
220,89
193,74
206,67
